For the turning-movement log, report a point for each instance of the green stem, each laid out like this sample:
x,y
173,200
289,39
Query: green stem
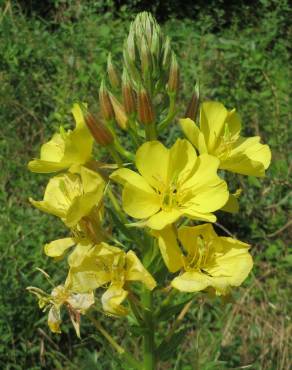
x,y
150,131
121,351
171,113
115,155
148,340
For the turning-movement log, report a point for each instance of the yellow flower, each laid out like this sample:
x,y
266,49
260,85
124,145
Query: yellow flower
x,y
76,304
218,135
172,183
107,265
72,196
65,149
208,260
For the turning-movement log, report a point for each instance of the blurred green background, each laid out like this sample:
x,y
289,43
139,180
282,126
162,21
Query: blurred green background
x,y
53,53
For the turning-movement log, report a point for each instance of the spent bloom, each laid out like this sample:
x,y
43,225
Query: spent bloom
x,y
66,150
206,260
171,183
105,265
219,135
75,303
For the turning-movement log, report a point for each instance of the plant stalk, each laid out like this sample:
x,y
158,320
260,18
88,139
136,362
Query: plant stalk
x,y
148,340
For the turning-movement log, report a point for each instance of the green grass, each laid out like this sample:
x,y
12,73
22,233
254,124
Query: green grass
x,y
44,67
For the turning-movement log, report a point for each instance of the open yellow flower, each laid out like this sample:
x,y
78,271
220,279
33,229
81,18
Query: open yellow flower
x,y
72,196
207,260
107,265
219,135
65,149
172,183
76,304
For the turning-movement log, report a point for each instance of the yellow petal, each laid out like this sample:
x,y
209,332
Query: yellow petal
x,y
112,300
40,166
182,159
191,281
81,302
136,271
248,157
234,123
58,247
170,251
212,120
140,201
205,190
233,261
152,162
193,134
163,218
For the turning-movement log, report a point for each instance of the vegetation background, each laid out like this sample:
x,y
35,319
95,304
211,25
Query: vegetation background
x,y
53,53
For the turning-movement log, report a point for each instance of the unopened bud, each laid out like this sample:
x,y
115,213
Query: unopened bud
x,y
166,53
145,56
193,106
128,95
120,113
112,73
173,80
145,108
99,131
130,43
105,103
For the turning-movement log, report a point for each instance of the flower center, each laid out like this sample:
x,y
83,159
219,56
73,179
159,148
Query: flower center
x,y
199,258
226,144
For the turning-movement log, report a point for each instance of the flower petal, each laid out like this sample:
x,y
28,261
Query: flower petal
x,y
112,299
137,272
170,251
191,281
212,120
248,157
193,134
152,162
139,202
58,247
163,218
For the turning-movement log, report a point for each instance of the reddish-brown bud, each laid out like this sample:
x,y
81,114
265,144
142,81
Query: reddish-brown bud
x,y
120,113
128,95
145,108
193,106
99,131
105,103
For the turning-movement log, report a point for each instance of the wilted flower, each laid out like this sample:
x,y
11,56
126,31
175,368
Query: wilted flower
x,y
104,264
75,303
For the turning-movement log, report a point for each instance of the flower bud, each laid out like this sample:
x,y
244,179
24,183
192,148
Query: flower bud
x,y
193,105
166,53
145,108
105,103
112,73
145,56
173,80
128,95
99,131
120,113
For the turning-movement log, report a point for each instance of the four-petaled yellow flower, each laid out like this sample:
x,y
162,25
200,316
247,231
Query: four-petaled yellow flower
x,y
218,135
72,196
75,303
172,183
66,150
207,260
106,265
